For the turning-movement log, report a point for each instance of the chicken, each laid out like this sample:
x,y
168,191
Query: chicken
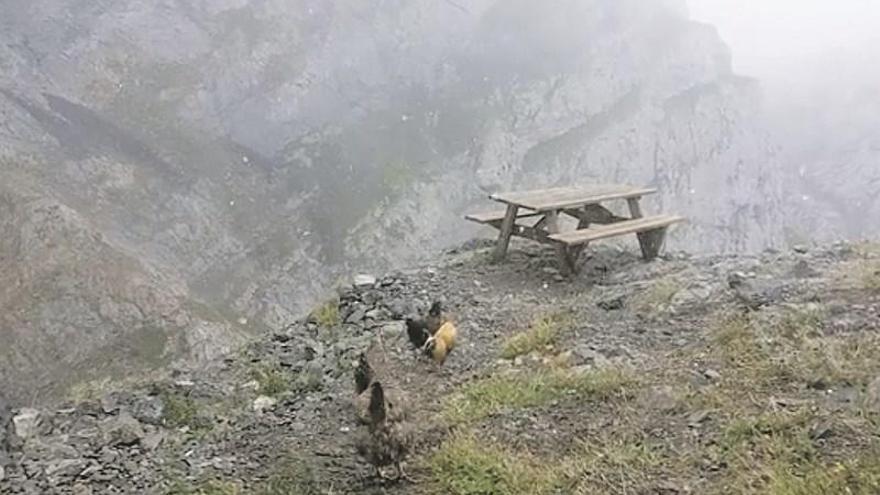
x,y
436,317
417,330
364,377
420,330
442,343
385,441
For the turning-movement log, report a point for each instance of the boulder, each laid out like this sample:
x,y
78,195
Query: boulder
x,y
122,431
149,410
364,281
26,423
264,403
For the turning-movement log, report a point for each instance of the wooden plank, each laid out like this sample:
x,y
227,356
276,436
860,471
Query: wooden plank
x,y
504,235
569,197
489,217
616,229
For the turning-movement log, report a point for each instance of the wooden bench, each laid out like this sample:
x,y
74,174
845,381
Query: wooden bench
x,y
651,232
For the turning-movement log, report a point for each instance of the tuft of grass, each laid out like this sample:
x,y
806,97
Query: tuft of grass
x,y
540,336
852,477
657,297
211,487
327,314
867,249
860,274
618,464
799,324
181,410
91,390
271,380
292,477
489,396
735,341
869,276
466,465
775,433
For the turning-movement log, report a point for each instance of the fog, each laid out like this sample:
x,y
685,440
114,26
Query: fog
x,y
816,62
776,40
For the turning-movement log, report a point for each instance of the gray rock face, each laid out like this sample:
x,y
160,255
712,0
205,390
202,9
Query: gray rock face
x,y
231,159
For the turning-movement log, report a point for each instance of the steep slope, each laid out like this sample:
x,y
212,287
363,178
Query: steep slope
x,y
75,308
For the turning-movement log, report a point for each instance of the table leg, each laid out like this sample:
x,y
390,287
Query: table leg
x,y
635,210
648,241
651,242
506,230
563,254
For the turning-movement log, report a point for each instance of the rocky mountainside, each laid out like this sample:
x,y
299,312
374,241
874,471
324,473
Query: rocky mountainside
x,y
76,308
249,153
684,375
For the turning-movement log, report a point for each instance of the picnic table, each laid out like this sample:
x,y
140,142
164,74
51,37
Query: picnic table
x,y
535,215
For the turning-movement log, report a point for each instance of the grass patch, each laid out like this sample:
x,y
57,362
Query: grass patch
x,y
212,487
870,277
465,465
271,380
862,273
777,432
773,453
292,477
855,477
539,337
620,464
489,396
327,314
181,411
92,389
736,343
787,345
657,297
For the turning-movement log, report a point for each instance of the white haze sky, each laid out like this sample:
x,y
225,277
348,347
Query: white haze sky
x,y
778,41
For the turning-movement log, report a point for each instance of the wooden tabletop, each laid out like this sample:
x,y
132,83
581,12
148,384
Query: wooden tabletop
x,y
559,198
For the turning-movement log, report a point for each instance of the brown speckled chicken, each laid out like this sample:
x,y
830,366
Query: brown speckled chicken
x,y
384,441
364,376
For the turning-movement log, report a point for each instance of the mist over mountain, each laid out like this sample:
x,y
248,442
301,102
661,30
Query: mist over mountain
x,y
178,175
